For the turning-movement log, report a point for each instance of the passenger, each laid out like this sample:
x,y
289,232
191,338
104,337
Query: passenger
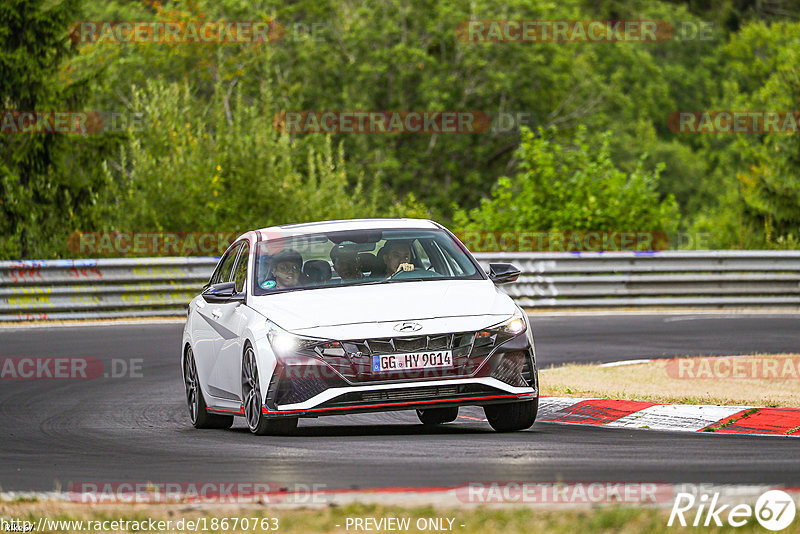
x,y
345,261
286,267
396,255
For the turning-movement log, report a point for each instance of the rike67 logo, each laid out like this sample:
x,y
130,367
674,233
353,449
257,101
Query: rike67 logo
x,y
774,510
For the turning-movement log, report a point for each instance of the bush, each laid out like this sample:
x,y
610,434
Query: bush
x,y
571,187
225,167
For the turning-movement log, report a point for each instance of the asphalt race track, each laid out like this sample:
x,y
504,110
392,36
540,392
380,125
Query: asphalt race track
x,y
59,432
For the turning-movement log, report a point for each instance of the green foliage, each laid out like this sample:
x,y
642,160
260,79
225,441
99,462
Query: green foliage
x,y
225,169
208,157
392,56
759,207
47,187
564,187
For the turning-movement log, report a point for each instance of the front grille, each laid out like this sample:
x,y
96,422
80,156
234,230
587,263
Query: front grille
x,y
508,368
352,359
294,383
409,394
295,390
514,368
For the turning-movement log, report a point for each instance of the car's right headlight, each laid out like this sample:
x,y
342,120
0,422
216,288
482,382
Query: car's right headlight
x,y
285,344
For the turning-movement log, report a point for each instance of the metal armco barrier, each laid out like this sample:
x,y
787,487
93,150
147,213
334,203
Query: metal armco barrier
x,y
719,279
96,289
106,288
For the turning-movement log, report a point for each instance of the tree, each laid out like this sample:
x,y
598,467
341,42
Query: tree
x,y
759,207
46,185
571,187
223,167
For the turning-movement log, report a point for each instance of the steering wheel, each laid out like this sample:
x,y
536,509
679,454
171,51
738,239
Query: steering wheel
x,y
416,273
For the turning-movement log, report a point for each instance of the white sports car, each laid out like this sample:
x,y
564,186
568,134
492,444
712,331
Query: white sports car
x,y
352,316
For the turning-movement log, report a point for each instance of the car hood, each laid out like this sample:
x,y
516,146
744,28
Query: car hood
x,y
297,311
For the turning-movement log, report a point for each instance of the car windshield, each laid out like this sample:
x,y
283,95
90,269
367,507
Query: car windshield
x,y
352,257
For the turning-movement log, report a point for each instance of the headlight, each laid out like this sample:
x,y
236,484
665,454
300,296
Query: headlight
x,y
286,344
515,325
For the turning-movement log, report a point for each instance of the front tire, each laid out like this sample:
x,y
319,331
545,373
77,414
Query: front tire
x,y
512,416
251,398
198,413
437,416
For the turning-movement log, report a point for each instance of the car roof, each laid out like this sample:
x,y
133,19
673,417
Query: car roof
x,y
343,224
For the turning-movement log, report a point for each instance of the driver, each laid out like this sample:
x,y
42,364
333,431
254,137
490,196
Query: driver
x,y
396,256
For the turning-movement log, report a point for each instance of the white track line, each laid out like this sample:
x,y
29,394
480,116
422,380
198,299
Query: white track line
x,y
681,417
625,362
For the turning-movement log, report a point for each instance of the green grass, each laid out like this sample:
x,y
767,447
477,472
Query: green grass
x,y
655,382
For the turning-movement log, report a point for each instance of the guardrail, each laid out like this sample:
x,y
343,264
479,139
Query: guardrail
x,y
723,279
97,289
107,288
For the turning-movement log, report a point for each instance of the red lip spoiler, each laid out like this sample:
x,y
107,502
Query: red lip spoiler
x,y
265,411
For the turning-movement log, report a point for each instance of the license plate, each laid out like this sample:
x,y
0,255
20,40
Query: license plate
x,y
412,360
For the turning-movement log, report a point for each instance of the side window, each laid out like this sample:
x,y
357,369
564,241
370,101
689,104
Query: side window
x,y
445,262
223,273
422,255
436,258
452,262
240,277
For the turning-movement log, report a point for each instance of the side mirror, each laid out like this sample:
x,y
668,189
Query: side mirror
x,y
222,292
503,273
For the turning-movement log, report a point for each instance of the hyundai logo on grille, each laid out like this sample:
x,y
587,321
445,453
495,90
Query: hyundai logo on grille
x,y
408,326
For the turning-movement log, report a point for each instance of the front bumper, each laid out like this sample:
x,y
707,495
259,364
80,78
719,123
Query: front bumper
x,y
447,393
309,387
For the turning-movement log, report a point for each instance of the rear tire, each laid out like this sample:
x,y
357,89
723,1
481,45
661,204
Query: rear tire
x,y
437,416
198,411
512,416
251,395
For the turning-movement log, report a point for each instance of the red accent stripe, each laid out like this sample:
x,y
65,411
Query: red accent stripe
x,y
393,489
411,403
472,418
598,411
239,412
766,421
